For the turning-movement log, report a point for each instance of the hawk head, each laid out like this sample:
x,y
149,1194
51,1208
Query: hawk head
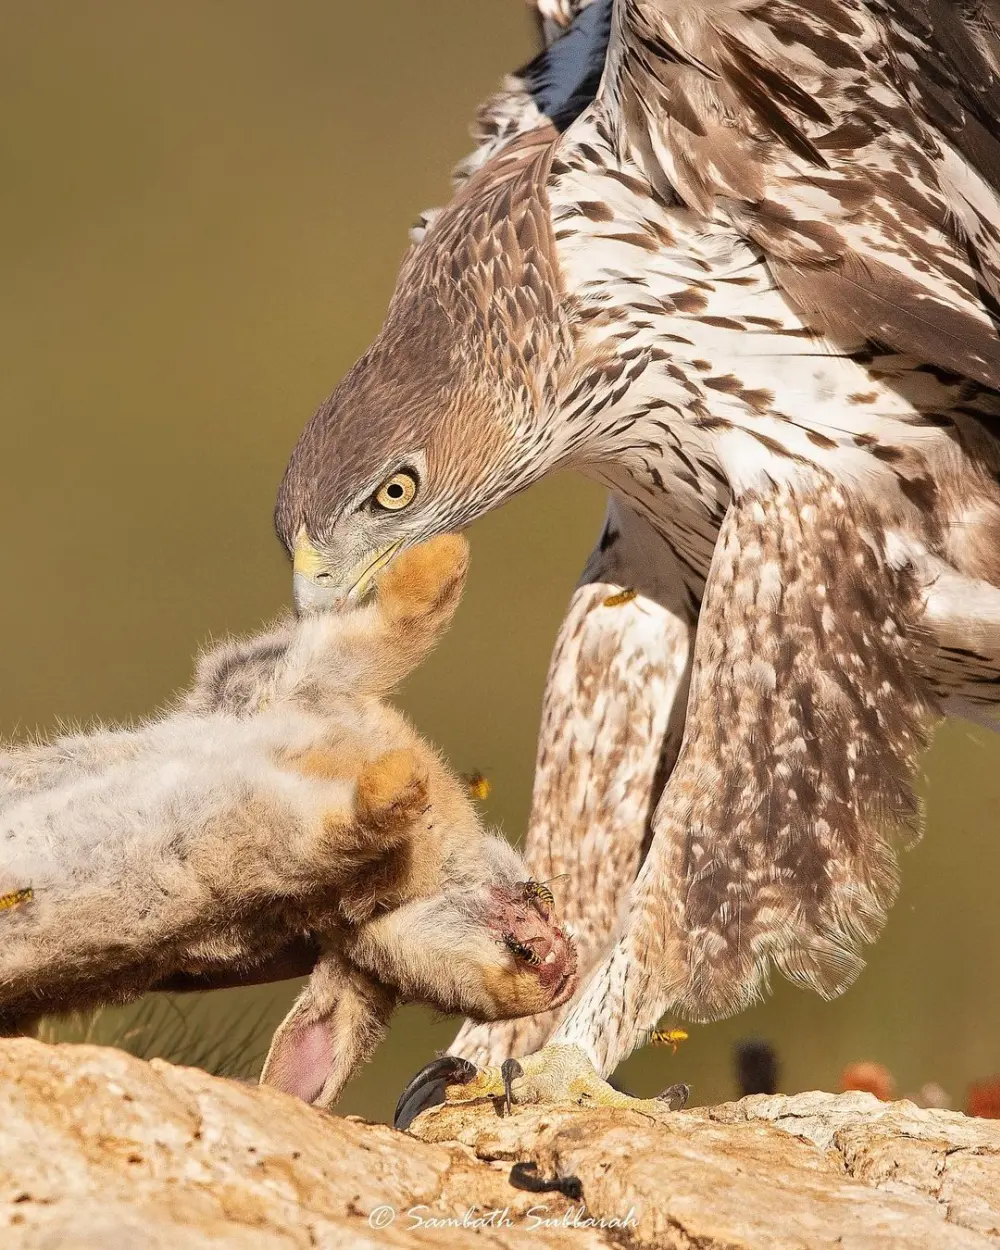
x,y
448,412
407,447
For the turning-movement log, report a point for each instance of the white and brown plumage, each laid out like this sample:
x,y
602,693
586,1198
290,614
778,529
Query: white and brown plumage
x,y
753,288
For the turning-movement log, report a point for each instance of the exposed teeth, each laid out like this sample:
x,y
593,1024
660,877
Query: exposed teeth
x,y
550,958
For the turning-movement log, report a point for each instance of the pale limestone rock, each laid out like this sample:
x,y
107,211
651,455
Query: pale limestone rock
x,y
100,1150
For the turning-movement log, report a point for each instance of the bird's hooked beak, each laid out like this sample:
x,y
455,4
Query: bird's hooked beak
x,y
320,584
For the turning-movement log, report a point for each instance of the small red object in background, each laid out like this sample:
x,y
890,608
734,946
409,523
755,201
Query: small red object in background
x,y
871,1078
983,1099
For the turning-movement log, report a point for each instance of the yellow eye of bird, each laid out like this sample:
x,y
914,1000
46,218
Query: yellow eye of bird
x,y
397,492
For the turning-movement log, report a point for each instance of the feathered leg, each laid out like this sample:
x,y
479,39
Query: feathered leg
x,y
772,839
611,728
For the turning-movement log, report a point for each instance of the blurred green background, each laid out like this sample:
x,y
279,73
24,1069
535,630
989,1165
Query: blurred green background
x,y
203,206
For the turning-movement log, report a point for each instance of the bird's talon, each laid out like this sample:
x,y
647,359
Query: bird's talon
x,y
510,1070
559,1073
428,1087
674,1097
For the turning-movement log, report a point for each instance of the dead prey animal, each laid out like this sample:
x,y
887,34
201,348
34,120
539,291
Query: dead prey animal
x,y
282,818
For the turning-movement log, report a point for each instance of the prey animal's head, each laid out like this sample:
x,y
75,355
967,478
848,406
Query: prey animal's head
x,y
487,944
538,970
444,417
492,952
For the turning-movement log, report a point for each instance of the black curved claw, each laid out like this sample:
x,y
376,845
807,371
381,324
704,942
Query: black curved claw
x,y
675,1096
510,1070
426,1088
525,1176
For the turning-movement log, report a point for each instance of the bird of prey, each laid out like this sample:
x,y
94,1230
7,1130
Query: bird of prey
x,y
739,261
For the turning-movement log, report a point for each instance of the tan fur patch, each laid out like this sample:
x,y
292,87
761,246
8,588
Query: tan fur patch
x,y
425,578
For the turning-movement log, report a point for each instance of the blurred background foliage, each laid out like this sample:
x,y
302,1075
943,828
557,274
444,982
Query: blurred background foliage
x,y
203,210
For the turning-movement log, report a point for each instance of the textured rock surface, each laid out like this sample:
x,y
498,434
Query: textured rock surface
x,y
98,1149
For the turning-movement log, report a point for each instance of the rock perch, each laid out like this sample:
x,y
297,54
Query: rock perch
x,y
99,1149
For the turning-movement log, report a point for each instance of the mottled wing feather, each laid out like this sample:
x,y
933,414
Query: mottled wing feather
x,y
944,57
809,715
773,842
611,726
828,133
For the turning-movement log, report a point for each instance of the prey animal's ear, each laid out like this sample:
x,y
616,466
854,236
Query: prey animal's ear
x,y
335,1025
237,676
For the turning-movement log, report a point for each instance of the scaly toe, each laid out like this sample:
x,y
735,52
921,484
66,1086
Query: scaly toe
x,y
555,1074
